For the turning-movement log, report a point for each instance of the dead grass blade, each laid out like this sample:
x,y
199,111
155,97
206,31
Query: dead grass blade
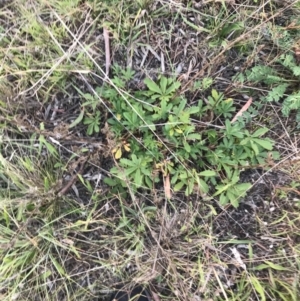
x,y
107,51
242,110
167,187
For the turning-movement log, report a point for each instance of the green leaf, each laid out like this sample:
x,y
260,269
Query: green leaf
x,y
193,110
152,86
233,199
193,136
130,170
271,265
127,162
58,267
110,181
203,186
90,129
138,178
77,120
48,145
215,94
276,93
173,87
208,173
222,188
194,26
264,143
254,147
260,132
242,187
186,146
257,286
163,84
296,70
207,82
223,199
178,186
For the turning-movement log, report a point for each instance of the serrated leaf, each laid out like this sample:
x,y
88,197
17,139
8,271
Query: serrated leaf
x,y
222,188
152,86
173,87
223,199
178,186
264,143
242,187
276,93
179,131
187,147
296,70
260,132
193,110
208,173
146,171
203,186
233,199
207,82
254,147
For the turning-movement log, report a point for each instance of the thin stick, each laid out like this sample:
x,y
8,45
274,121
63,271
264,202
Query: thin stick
x,y
107,51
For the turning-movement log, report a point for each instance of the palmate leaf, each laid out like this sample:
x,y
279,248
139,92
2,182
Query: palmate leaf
x,y
127,162
173,87
152,86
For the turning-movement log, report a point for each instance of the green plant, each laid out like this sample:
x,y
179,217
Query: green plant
x,y
163,91
137,169
230,190
280,84
161,126
93,122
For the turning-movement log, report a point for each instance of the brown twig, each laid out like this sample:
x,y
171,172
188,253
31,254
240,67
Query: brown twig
x,y
107,51
74,178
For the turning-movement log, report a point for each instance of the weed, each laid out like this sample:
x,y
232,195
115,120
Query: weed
x,y
162,117
280,78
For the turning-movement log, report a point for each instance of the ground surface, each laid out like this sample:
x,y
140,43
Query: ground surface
x,y
67,231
